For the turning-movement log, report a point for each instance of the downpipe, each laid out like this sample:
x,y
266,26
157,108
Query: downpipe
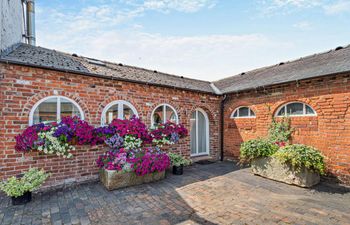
x,y
222,117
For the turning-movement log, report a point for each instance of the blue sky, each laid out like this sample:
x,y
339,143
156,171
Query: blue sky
x,y
203,39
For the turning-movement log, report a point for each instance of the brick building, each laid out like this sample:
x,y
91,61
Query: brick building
x,y
39,84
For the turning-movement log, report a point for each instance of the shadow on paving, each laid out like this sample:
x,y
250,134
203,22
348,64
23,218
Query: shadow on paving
x,y
154,203
331,186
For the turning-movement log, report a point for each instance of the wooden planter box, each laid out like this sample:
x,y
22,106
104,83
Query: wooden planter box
x,y
274,169
113,179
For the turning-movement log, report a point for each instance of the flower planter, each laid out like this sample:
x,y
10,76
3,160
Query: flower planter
x,y
21,200
275,170
113,179
178,170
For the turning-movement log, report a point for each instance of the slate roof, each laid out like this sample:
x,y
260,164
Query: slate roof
x,y
29,55
317,65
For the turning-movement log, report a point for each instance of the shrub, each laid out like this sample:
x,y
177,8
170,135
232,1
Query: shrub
x,y
280,132
302,156
178,160
256,148
31,180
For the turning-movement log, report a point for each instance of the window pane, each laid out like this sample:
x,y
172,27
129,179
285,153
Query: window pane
x,y
235,114
193,133
127,112
252,113
295,109
243,112
170,115
68,108
46,111
202,133
282,112
112,113
158,116
309,110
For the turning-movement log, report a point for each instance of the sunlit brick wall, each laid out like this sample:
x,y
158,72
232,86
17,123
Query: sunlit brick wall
x,y
22,87
329,131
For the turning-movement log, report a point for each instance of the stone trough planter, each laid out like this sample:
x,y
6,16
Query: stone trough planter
x,y
112,179
275,170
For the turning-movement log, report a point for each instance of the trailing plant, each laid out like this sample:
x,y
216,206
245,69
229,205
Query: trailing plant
x,y
31,180
168,133
53,145
56,138
115,142
178,160
302,156
114,160
139,161
149,161
280,132
256,148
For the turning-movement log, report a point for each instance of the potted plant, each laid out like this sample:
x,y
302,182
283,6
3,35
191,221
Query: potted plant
x,y
123,168
178,162
296,164
20,188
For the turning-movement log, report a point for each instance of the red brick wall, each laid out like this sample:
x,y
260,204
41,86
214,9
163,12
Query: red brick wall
x,y
18,99
329,131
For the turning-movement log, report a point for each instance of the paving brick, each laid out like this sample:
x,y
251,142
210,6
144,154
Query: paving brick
x,y
219,193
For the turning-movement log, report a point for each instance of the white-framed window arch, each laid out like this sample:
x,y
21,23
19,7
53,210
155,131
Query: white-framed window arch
x,y
58,107
302,109
243,112
164,119
207,132
120,107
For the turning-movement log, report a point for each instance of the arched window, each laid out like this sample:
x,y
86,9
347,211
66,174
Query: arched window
x,y
243,112
117,110
295,109
164,113
53,108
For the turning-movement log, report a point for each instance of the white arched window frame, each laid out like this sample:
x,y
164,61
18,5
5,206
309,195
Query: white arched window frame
x,y
164,113
307,110
120,104
236,113
58,107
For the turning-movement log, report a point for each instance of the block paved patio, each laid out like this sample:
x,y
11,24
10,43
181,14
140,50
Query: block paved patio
x,y
219,193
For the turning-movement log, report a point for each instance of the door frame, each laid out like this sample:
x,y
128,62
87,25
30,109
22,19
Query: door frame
x,y
207,133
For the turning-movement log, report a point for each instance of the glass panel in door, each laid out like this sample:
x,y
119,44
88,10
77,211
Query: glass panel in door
x,y
193,134
202,133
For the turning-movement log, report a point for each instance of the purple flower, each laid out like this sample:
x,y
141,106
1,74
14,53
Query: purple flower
x,y
115,142
64,133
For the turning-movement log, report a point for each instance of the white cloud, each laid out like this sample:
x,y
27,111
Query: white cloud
x,y
296,3
95,32
303,25
338,7
178,5
208,57
270,7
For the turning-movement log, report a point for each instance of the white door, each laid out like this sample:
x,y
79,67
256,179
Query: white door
x,y
199,133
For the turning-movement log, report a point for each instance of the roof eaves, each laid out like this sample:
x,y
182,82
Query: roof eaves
x,y
287,82
7,61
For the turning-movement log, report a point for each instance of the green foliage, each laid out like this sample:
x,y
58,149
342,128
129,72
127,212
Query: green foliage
x,y
30,181
280,131
302,156
178,160
256,148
